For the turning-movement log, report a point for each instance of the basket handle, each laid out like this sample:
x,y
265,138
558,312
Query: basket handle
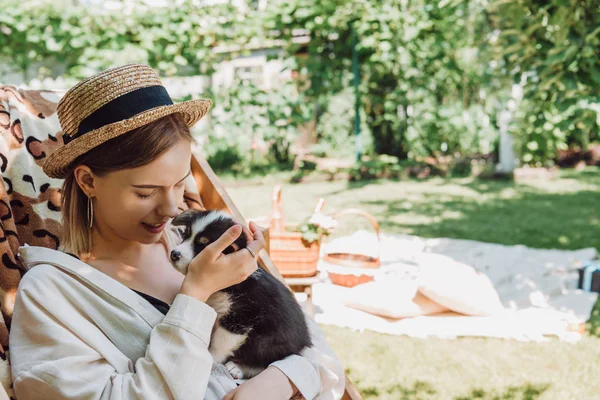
x,y
369,217
277,218
319,205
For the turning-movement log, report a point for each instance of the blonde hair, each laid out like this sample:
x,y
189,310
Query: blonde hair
x,y
133,149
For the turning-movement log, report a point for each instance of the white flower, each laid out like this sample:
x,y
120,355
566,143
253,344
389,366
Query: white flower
x,y
325,222
328,223
316,219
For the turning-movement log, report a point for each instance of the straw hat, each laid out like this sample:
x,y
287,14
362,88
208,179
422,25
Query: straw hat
x,y
109,104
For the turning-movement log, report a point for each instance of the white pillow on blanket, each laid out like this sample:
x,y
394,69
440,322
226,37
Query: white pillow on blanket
x,y
457,286
391,299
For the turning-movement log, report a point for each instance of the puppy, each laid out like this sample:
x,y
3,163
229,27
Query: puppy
x,y
259,320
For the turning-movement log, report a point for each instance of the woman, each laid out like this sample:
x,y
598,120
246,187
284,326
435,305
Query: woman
x,y
108,317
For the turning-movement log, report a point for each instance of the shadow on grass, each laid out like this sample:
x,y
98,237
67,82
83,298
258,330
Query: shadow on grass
x,y
542,220
359,185
588,175
591,176
355,185
421,390
525,392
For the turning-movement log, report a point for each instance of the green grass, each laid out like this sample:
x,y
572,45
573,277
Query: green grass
x,y
562,213
402,368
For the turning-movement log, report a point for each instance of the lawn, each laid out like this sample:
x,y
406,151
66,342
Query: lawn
x,y
561,213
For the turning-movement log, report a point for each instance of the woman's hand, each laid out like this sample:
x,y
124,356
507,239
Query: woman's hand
x,y
271,384
211,270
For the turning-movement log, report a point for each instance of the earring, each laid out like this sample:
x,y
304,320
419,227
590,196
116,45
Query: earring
x,y
90,212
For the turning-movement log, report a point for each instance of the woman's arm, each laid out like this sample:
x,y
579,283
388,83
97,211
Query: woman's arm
x,y
318,373
59,353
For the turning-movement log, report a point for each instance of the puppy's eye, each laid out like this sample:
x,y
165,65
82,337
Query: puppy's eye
x,y
182,231
203,240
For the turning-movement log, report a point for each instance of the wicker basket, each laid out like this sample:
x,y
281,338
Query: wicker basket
x,y
291,255
355,263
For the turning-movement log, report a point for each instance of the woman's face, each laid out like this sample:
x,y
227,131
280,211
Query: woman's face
x,y
134,204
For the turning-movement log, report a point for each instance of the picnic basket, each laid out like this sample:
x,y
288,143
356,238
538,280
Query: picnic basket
x,y
351,269
291,255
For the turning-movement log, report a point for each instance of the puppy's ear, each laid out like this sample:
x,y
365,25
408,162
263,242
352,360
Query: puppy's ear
x,y
185,218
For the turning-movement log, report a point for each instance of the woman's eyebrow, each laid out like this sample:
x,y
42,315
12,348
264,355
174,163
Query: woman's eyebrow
x,y
158,186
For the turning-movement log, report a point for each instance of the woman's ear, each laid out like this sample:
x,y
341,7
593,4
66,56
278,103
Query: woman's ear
x,y
85,179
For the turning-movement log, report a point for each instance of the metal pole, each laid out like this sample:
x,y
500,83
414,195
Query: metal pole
x,y
355,71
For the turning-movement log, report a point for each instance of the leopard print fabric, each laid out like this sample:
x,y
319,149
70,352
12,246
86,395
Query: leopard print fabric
x,y
29,199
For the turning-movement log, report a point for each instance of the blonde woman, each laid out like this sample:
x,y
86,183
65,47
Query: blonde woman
x,y
108,317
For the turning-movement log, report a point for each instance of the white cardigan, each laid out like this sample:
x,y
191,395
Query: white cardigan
x,y
79,334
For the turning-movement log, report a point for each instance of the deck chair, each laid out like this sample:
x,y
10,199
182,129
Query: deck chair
x,y
30,200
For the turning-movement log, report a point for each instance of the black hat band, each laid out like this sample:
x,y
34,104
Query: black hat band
x,y
122,108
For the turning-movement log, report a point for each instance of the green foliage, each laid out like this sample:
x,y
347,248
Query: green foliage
x,y
434,75
335,128
261,125
424,78
224,155
315,227
89,39
383,166
555,46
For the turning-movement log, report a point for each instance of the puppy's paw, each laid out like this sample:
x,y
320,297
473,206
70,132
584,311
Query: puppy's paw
x,y
234,370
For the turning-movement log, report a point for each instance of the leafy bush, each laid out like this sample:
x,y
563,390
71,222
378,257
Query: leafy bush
x,y
335,128
553,48
224,155
86,39
262,125
383,166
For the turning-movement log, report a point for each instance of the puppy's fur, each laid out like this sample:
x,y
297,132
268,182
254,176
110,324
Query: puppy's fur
x,y
258,321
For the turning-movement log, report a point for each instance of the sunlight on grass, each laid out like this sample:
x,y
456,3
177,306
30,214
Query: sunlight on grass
x,y
560,213
563,185
508,193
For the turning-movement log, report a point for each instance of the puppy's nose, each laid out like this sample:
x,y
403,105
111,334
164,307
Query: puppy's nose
x,y
175,255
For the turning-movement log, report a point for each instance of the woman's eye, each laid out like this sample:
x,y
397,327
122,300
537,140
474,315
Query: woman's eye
x,y
180,184
144,196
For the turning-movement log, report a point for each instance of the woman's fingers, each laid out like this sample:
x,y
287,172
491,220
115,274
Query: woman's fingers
x,y
218,246
243,256
256,246
254,228
248,233
257,233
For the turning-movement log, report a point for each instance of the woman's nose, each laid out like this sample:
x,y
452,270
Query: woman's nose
x,y
169,207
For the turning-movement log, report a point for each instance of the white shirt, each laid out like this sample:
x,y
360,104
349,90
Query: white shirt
x,y
77,333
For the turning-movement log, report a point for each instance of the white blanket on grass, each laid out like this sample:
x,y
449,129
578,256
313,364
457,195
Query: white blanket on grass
x,y
537,287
